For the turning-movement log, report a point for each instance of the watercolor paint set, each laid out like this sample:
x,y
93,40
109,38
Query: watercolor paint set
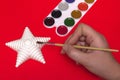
x,y
66,15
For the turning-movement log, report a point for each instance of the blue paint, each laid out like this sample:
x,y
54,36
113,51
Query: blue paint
x,y
70,1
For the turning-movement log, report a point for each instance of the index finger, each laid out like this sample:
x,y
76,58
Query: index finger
x,y
82,30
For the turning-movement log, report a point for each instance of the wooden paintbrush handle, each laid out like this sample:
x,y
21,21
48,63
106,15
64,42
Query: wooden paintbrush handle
x,y
90,48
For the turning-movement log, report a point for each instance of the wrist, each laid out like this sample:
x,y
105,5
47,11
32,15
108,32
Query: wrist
x,y
115,73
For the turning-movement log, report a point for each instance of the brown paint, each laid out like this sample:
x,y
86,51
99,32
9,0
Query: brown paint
x,y
89,1
76,14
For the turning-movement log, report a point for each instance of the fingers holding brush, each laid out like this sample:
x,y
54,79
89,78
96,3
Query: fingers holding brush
x,y
92,60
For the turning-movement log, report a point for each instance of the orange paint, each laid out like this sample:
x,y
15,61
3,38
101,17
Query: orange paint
x,y
83,6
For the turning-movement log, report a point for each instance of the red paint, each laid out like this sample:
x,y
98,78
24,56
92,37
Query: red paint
x,y
62,30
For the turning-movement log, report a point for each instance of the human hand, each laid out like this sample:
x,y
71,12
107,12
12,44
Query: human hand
x,y
98,62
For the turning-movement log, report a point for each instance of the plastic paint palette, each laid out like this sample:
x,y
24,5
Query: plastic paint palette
x,y
67,14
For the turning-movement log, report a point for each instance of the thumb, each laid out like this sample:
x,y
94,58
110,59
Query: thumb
x,y
74,54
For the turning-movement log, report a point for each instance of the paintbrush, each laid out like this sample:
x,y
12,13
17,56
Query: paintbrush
x,y
79,47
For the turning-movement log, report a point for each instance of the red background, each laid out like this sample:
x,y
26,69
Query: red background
x,y
104,17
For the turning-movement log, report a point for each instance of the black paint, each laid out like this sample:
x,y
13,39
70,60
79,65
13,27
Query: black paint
x,y
49,21
56,13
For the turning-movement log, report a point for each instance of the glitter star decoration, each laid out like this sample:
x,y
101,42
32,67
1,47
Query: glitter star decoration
x,y
27,47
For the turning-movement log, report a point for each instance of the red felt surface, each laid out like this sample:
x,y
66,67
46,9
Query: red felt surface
x,y
104,17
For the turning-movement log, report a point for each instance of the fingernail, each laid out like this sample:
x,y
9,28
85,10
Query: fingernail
x,y
62,51
77,63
